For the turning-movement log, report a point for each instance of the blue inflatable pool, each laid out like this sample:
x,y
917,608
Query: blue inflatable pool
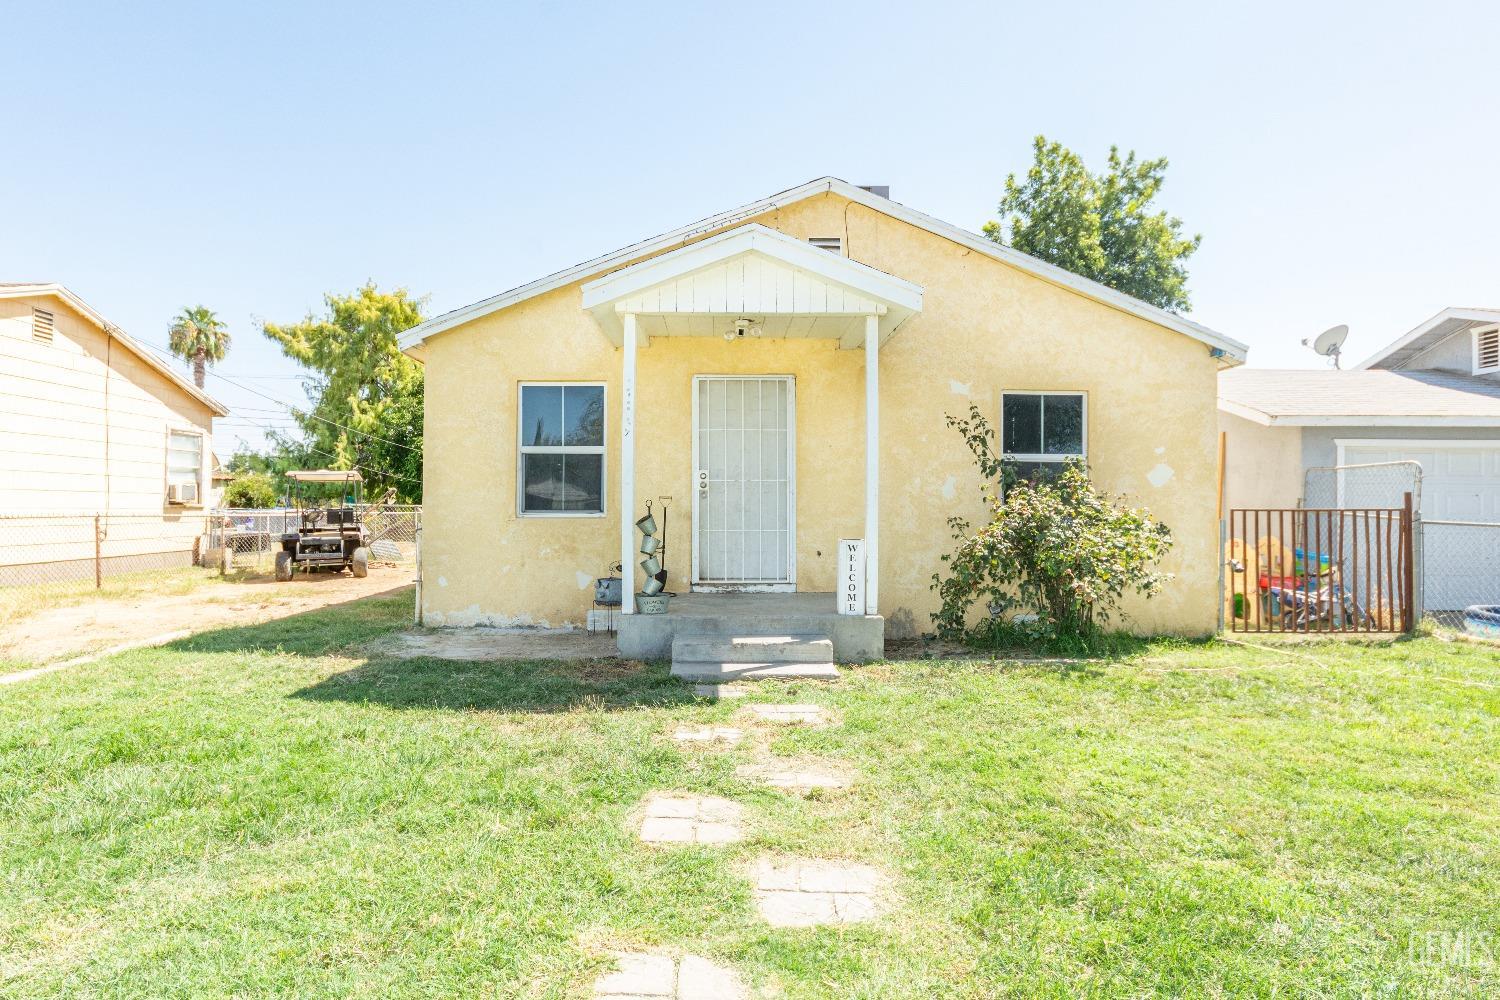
x,y
1483,620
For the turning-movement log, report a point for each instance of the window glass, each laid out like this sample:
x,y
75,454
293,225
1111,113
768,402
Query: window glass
x,y
1022,430
562,449
583,415
184,458
541,415
1062,425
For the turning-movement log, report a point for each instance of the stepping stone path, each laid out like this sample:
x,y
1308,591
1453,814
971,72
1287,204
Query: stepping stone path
x,y
690,819
808,893
794,777
690,978
719,691
790,715
727,735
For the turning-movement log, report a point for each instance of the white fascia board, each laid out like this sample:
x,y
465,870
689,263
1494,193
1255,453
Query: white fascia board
x,y
132,345
1247,412
1048,272
753,237
1422,329
1384,420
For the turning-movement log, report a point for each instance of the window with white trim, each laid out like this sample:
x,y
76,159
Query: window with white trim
x,y
1487,350
1041,430
561,456
185,459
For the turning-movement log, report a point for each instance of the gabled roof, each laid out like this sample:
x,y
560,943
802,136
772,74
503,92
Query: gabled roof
x,y
17,290
756,270
1372,398
1233,350
1427,335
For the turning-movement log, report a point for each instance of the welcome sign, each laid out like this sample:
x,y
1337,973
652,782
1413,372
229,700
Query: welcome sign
x,y
851,592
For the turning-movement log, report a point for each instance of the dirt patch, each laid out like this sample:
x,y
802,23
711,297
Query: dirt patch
x,y
506,644
74,629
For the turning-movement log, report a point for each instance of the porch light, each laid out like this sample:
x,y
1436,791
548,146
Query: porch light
x,y
743,327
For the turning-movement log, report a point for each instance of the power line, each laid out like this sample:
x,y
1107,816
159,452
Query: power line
x,y
360,468
293,409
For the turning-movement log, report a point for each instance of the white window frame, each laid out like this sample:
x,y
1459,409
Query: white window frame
x,y
522,450
1475,334
167,461
1058,459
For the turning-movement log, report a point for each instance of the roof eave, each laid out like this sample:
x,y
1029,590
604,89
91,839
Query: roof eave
x,y
1228,348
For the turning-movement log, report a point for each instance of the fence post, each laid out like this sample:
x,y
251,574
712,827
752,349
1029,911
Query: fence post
x,y
1408,555
417,611
98,562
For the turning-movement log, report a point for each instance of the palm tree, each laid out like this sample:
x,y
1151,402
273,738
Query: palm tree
x,y
196,335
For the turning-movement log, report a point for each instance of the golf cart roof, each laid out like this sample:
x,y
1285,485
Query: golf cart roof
x,y
326,476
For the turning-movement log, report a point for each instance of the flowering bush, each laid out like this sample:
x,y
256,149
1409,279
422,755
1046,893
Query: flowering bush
x,y
1054,547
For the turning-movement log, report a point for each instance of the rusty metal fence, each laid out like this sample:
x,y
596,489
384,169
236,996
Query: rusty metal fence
x,y
1307,570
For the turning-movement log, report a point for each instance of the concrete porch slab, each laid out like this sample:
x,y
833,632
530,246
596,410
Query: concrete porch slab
x,y
855,638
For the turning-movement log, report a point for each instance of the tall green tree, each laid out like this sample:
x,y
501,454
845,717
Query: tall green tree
x,y
367,412
197,336
1101,226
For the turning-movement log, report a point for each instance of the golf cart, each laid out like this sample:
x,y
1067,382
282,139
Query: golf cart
x,y
327,537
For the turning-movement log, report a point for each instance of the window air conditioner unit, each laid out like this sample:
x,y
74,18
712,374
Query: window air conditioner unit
x,y
182,493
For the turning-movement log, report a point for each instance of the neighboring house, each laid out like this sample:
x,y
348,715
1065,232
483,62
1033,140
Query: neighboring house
x,y
784,371
1432,396
91,422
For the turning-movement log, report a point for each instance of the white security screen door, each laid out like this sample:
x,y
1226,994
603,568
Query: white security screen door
x,y
744,490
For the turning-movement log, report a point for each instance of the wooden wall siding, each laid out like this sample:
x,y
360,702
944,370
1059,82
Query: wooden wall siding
x,y
751,285
53,419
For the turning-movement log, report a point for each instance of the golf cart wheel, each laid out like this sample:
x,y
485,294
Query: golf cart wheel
x,y
283,566
359,563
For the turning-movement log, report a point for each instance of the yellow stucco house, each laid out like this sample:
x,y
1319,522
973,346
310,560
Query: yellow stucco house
x,y
782,372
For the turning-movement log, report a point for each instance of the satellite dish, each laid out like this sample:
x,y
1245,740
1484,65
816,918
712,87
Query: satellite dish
x,y
1329,342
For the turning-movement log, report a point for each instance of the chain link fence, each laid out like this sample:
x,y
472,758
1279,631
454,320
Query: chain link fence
x,y
1460,568
253,537
84,550
1458,561
47,549
1376,485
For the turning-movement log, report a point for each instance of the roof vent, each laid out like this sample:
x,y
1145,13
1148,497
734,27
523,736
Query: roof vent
x,y
828,243
41,325
1487,349
878,190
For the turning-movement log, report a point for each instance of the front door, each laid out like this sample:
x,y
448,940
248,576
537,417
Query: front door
x,y
744,489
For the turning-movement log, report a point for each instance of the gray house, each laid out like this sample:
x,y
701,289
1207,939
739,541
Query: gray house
x,y
1432,396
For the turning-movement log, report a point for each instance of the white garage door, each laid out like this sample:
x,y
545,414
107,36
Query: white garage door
x,y
1460,482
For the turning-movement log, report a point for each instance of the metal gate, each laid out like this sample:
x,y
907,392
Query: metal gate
x,y
1330,569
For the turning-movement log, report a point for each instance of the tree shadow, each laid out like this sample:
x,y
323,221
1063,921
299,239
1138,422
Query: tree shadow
x,y
504,686
353,627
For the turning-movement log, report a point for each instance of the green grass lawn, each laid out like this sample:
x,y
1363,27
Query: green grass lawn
x,y
266,811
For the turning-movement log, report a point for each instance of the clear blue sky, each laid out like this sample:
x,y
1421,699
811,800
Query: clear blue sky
x,y
1339,159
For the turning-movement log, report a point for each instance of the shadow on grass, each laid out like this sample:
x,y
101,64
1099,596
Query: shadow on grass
x,y
310,633
490,686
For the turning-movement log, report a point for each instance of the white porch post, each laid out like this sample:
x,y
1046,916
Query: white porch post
x,y
627,471
872,465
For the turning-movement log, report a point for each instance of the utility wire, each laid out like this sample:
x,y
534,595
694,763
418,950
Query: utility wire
x,y
360,468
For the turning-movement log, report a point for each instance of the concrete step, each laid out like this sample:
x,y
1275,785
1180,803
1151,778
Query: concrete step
x,y
720,672
811,647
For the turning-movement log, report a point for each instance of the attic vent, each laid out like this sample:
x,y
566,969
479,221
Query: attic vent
x,y
41,325
828,243
1487,349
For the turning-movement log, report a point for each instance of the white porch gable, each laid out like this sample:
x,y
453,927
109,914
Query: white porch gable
x,y
768,282
789,288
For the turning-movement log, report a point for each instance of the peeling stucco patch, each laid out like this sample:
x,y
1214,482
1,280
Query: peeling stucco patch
x,y
442,581
1160,475
1161,450
958,388
950,488
473,616
584,580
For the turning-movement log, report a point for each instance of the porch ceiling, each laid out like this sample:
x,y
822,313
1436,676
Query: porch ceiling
x,y
785,287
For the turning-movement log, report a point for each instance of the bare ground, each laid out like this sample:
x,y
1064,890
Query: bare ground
x,y
74,629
